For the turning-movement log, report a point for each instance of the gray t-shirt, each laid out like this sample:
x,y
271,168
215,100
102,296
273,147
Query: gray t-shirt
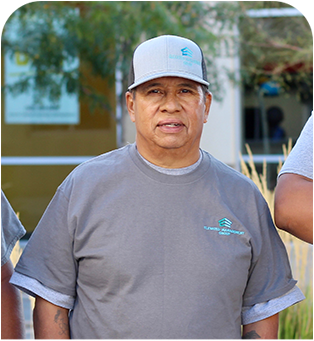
x,y
11,229
300,159
148,255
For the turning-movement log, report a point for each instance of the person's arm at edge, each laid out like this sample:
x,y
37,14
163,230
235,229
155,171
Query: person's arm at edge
x,y
12,320
294,206
263,329
50,321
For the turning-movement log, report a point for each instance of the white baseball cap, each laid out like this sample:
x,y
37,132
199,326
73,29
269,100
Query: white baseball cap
x,y
167,56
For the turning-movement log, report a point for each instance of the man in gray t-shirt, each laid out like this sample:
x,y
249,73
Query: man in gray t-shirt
x,y
158,239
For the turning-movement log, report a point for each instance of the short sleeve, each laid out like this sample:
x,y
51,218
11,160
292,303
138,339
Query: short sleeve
x,y
270,273
48,256
300,159
11,229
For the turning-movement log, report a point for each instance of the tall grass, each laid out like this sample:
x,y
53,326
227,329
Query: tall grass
x,y
296,322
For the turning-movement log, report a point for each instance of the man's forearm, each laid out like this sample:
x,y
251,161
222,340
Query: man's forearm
x,y
264,329
12,321
50,321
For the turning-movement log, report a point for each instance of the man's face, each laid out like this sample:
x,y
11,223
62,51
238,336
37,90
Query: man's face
x,y
169,113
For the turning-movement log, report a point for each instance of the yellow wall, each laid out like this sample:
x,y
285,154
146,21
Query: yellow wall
x,y
30,188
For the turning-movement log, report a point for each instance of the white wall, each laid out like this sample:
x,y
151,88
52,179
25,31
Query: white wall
x,y
222,133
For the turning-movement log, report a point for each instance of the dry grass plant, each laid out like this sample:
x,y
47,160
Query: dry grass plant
x,y
297,321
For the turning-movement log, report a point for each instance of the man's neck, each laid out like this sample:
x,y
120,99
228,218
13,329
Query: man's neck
x,y
174,171
170,158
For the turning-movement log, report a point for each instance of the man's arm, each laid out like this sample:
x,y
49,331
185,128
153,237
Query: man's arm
x,y
50,321
294,206
264,329
12,321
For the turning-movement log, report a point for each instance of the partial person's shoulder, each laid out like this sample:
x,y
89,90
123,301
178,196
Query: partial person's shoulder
x,y
300,159
309,125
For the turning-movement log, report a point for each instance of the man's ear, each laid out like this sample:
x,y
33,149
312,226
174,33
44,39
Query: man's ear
x,y
208,102
130,103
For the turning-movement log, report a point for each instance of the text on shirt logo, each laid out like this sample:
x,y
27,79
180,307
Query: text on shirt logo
x,y
224,228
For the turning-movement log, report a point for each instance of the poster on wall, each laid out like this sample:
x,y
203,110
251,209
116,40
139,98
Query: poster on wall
x,y
23,108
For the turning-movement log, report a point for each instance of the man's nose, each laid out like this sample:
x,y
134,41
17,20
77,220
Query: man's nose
x,y
170,104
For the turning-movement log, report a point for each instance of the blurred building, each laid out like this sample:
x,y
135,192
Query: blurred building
x,y
43,142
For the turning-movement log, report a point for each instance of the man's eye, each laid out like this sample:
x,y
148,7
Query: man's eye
x,y
185,91
154,91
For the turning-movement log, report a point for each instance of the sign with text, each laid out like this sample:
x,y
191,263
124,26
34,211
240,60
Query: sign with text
x,y
29,107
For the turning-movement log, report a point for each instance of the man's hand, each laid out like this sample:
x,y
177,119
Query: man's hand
x,y
264,329
50,321
294,206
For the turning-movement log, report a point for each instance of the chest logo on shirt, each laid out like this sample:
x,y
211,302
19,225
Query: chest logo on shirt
x,y
224,228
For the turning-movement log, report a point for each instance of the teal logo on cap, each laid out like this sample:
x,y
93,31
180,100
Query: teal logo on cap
x,y
187,52
186,57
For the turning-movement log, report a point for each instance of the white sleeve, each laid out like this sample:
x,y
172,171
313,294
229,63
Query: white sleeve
x,y
34,288
262,311
300,159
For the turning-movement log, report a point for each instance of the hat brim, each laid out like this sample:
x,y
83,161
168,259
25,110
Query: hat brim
x,y
168,74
